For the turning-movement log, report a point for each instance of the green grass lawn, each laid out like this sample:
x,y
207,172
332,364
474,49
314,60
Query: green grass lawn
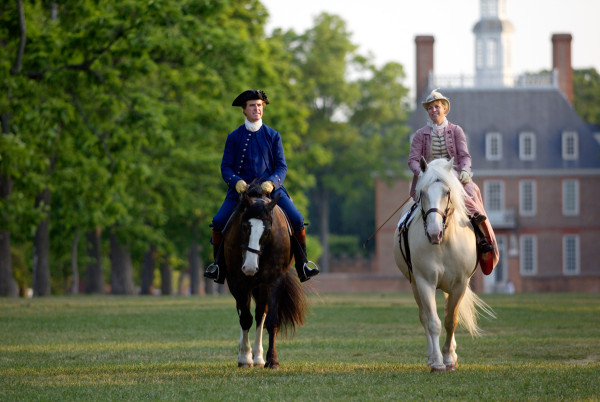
x,y
353,347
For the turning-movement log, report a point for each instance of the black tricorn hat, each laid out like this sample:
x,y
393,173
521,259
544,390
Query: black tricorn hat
x,y
250,94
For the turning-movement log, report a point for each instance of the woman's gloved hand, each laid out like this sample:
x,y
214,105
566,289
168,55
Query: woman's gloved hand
x,y
465,177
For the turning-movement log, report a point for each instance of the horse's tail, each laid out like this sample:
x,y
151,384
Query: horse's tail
x,y
290,302
469,310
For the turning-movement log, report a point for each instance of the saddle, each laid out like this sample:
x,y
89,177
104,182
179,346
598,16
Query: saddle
x,y
403,225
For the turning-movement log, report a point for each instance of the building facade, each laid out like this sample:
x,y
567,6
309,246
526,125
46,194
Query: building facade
x,y
536,162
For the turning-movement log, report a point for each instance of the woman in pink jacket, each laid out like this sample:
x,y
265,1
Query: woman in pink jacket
x,y
442,139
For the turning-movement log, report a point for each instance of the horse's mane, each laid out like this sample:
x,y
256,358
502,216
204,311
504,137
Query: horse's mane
x,y
254,190
437,171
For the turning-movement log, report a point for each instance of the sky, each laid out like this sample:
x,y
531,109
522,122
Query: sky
x,y
386,29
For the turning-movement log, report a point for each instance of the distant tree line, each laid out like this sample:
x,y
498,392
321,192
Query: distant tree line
x,y
114,116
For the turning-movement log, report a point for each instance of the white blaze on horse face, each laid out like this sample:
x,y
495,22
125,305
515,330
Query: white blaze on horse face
x,y
436,194
250,266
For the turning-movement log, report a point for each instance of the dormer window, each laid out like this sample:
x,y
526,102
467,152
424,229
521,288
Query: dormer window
x,y
493,146
570,145
527,151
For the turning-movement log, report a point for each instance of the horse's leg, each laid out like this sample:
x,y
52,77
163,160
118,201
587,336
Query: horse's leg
x,y
423,320
260,312
432,324
244,348
272,361
257,349
450,322
272,328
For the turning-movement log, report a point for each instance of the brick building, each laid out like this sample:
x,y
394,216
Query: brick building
x,y
536,162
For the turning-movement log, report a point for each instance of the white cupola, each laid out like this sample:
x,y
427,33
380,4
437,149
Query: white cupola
x,y
493,46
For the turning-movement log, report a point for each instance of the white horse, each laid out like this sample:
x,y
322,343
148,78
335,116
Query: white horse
x,y
442,255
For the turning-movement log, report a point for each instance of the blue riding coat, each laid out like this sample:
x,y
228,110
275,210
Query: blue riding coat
x,y
255,155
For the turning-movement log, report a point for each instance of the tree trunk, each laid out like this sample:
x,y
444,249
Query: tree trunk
x,y
148,266
166,276
121,280
8,286
74,268
41,249
94,281
196,266
323,207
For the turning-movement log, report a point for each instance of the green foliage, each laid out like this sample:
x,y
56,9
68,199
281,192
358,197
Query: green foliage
x,y
356,126
586,94
349,245
352,347
121,108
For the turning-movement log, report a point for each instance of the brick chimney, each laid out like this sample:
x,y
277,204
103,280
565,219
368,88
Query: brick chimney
x,y
424,63
561,61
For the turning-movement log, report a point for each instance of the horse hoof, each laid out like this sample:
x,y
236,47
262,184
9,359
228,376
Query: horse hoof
x,y
272,366
436,369
244,365
450,367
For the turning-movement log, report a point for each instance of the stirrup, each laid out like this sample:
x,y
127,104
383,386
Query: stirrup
x,y
212,272
309,269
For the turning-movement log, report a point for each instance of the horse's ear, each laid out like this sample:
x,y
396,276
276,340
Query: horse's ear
x,y
423,164
273,202
450,164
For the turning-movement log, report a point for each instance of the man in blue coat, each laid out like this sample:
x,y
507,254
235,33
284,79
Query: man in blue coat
x,y
254,151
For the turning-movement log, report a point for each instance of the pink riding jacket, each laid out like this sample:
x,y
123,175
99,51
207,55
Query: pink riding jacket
x,y
456,144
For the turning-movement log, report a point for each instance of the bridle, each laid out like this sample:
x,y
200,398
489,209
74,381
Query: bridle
x,y
445,214
264,236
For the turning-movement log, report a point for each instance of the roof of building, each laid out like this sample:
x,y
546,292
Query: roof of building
x,y
510,111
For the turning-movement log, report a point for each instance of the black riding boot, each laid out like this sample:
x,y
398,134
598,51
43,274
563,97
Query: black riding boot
x,y
482,244
305,269
216,270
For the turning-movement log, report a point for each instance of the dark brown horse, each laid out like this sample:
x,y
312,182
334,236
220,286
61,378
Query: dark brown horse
x,y
258,256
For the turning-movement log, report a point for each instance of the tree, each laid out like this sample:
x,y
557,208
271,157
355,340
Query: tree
x,y
586,98
115,118
354,126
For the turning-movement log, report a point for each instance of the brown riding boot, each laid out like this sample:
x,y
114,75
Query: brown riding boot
x,y
305,269
216,270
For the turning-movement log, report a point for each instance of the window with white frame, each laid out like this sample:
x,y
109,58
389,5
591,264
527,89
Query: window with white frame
x,y
494,196
493,146
528,255
571,254
570,145
500,270
527,197
570,197
492,52
527,146
479,53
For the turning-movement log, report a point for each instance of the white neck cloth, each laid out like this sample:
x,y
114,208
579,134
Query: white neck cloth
x,y
253,126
